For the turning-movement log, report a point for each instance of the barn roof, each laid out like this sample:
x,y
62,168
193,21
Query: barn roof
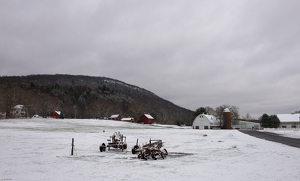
x,y
148,116
19,107
126,119
212,119
114,116
289,117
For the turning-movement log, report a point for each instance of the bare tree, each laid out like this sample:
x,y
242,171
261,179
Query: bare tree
x,y
234,113
46,105
136,110
210,110
9,101
247,117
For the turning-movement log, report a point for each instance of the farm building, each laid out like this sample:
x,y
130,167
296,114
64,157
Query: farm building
x,y
55,114
128,119
226,119
115,117
289,120
19,111
204,121
146,119
246,125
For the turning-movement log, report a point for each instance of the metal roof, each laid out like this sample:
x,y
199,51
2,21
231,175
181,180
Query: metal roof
x,y
289,117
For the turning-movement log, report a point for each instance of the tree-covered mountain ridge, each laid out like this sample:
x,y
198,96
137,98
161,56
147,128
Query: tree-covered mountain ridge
x,y
80,96
77,80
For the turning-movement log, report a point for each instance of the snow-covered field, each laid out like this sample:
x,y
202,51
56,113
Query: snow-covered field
x,y
39,149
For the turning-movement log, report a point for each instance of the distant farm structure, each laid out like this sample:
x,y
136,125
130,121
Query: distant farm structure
x,y
146,119
204,121
55,114
115,117
289,120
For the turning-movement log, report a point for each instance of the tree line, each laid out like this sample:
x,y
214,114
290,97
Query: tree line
x,y
83,102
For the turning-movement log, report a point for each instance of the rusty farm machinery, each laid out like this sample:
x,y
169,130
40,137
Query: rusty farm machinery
x,y
153,149
117,140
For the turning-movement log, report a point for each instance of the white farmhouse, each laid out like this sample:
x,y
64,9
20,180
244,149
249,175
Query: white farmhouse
x,y
289,120
204,121
19,111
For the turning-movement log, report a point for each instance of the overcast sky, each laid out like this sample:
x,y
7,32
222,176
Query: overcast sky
x,y
193,53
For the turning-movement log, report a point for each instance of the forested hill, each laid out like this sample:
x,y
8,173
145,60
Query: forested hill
x,y
87,97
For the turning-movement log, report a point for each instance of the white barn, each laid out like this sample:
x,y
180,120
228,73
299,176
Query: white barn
x,y
204,121
289,120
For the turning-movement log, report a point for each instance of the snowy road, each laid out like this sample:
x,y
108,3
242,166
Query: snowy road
x,y
39,149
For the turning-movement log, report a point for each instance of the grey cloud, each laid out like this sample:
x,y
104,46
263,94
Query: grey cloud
x,y
195,53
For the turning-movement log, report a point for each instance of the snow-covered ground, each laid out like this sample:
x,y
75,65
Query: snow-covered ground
x,y
39,149
291,132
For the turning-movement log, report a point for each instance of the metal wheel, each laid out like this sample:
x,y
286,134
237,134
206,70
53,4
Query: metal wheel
x,y
140,155
153,156
164,153
102,147
145,156
134,149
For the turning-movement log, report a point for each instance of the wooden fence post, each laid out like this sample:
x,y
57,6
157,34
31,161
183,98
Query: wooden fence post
x,y
72,146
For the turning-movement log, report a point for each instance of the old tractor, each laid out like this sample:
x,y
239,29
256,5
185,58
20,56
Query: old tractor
x,y
117,140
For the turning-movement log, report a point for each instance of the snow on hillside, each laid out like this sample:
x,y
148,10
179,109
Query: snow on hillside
x,y
39,149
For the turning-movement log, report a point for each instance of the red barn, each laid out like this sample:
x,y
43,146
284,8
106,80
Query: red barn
x,y
115,117
128,119
55,114
146,119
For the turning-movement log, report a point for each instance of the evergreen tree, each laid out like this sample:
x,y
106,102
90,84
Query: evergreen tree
x,y
274,121
265,121
8,84
199,111
32,84
269,121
